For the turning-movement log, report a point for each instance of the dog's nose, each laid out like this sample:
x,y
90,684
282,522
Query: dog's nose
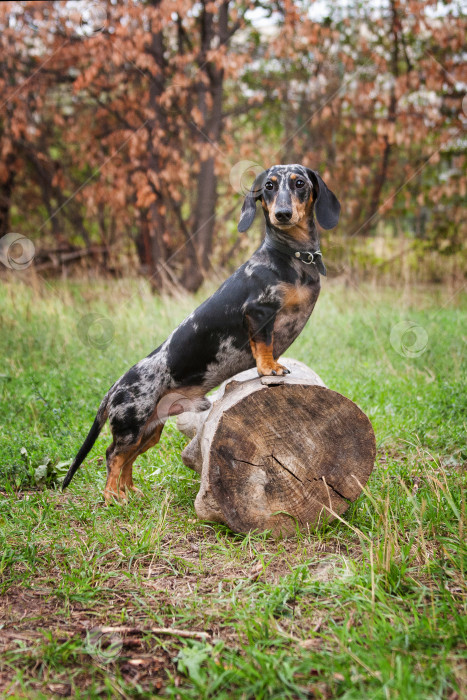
x,y
284,215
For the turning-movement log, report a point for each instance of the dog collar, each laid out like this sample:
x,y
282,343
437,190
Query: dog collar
x,y
306,256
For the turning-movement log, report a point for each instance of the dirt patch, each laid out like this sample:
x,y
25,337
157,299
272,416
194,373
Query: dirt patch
x,y
34,626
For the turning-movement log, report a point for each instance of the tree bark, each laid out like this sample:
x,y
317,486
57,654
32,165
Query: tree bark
x,y
6,191
209,99
382,174
150,244
275,453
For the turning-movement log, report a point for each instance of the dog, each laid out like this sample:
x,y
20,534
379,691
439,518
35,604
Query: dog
x,y
252,318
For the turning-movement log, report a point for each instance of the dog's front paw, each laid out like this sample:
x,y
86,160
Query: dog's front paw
x,y
272,369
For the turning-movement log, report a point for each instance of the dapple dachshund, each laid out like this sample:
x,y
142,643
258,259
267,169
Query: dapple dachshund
x,y
254,316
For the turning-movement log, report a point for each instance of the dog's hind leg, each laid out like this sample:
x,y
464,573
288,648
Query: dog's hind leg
x,y
146,443
119,471
120,466
121,455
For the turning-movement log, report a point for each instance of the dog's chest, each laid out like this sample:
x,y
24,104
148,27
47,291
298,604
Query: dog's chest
x,y
297,304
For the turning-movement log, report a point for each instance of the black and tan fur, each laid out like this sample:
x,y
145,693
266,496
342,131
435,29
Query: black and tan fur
x,y
251,320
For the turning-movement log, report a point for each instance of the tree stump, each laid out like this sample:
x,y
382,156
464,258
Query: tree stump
x,y
275,453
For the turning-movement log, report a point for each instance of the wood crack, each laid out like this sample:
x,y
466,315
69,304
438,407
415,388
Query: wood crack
x,y
323,479
286,469
244,461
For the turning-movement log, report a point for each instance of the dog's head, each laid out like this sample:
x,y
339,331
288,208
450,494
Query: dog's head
x,y
288,194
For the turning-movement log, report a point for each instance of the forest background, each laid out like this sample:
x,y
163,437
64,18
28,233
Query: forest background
x,y
130,131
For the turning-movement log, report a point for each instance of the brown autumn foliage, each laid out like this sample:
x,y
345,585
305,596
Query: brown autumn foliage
x,y
129,131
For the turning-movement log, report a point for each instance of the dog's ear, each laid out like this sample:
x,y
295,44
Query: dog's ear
x,y
249,205
327,206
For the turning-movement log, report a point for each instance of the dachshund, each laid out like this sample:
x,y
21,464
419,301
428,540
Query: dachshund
x,y
252,318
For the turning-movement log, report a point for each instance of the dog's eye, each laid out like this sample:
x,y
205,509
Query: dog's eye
x,y
269,185
299,184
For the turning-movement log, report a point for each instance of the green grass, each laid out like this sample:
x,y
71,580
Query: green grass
x,y
372,606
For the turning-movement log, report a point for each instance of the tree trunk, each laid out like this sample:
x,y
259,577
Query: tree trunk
x,y
6,191
150,242
382,174
205,213
209,101
275,453
151,249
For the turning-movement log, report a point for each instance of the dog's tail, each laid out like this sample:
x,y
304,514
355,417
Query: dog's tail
x,y
91,438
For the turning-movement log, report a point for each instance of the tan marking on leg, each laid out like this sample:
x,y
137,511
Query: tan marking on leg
x,y
115,485
120,469
126,474
144,445
265,362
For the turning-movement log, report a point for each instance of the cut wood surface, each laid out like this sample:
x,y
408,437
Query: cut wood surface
x,y
275,453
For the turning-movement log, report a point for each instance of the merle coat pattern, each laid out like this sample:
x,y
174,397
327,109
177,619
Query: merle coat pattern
x,y
250,320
